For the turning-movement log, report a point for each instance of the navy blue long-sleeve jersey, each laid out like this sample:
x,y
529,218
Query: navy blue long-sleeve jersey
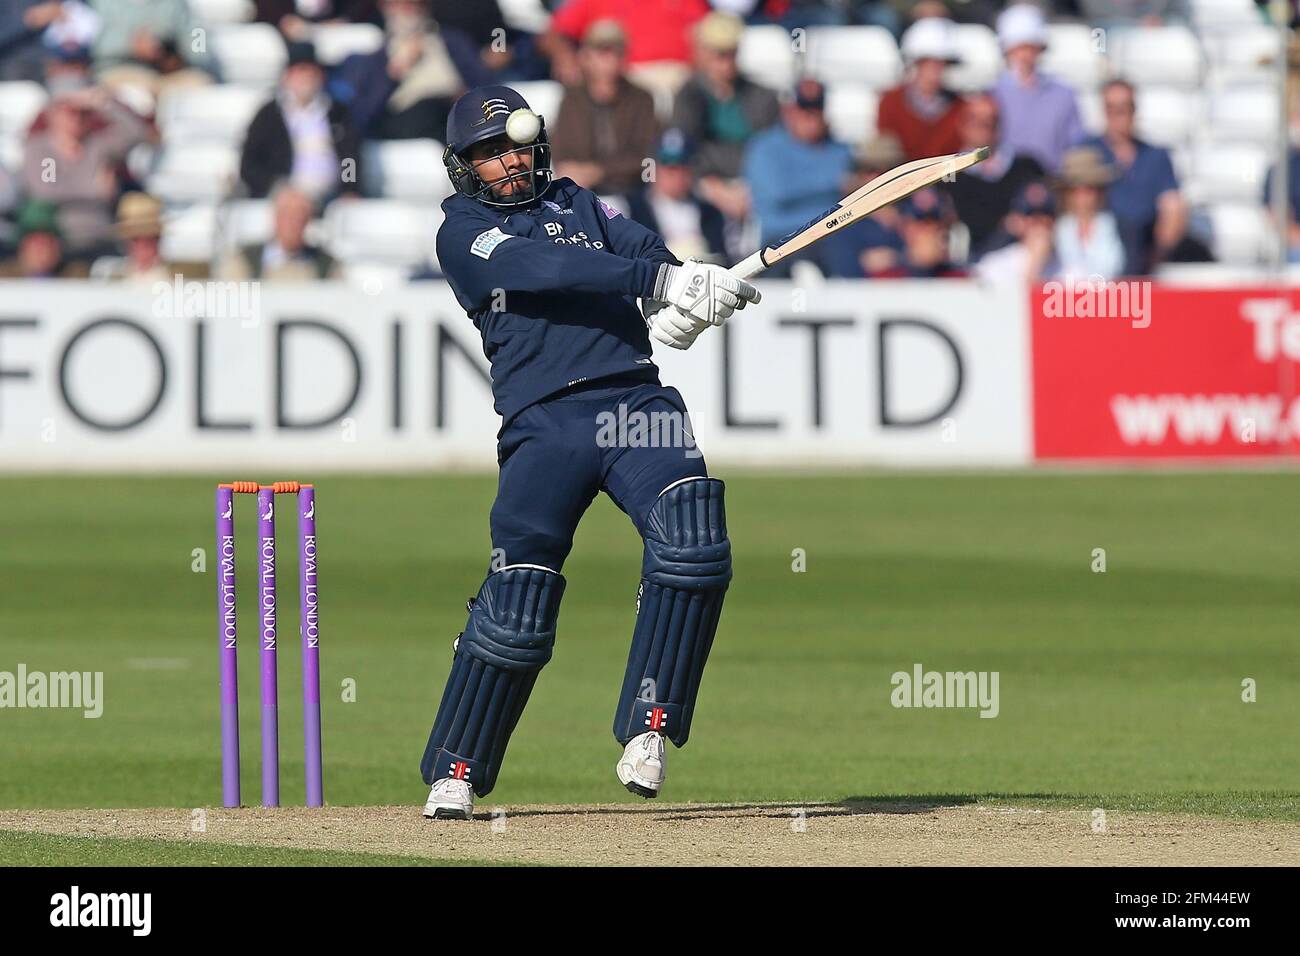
x,y
552,288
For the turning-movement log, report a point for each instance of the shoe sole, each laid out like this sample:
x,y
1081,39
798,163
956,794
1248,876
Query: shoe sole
x,y
447,813
632,786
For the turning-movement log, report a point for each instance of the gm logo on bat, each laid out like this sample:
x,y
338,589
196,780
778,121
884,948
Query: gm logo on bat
x,y
845,216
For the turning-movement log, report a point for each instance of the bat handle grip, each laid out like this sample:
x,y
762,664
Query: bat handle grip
x,y
749,267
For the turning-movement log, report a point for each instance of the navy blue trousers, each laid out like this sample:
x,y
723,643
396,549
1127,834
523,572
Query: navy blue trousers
x,y
629,440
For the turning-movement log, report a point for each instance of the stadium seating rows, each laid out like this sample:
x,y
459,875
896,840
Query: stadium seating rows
x,y
1205,91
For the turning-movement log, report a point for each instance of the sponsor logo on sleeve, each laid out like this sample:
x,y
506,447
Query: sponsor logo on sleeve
x,y
610,211
483,245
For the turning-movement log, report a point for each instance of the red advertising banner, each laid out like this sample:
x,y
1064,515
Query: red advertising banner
x,y
1130,370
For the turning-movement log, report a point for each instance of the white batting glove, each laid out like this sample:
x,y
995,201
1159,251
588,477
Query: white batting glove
x,y
703,291
676,329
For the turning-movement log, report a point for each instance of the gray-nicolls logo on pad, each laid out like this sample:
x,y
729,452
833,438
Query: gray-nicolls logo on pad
x,y
76,909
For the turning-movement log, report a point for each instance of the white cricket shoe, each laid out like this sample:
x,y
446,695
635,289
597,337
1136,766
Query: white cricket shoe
x,y
642,767
450,799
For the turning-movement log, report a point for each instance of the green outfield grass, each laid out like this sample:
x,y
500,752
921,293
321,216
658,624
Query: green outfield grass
x,y
39,849
1120,689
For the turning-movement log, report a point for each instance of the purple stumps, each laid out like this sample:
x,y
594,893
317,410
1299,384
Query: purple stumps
x,y
227,641
267,631
267,628
309,625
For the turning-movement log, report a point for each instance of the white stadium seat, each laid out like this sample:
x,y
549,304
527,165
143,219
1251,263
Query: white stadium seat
x,y
864,54
1227,172
1168,116
981,59
218,113
543,96
335,42
1242,53
766,56
375,277
192,172
249,53
851,111
136,97
382,231
1181,156
1242,233
527,15
1091,112
245,222
1247,113
20,101
1211,14
189,233
1074,55
206,12
106,268
405,169
11,156
1167,55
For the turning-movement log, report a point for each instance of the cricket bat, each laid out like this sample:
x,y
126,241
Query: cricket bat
x,y
890,187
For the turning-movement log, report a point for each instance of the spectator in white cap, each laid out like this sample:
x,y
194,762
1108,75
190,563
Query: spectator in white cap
x,y
1039,115
922,114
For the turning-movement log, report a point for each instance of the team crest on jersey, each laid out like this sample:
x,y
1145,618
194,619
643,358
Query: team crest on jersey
x,y
485,242
555,208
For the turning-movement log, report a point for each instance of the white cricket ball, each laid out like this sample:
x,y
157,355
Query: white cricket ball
x,y
522,126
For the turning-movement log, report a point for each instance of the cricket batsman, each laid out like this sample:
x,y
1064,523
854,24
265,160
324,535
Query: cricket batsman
x,y
551,277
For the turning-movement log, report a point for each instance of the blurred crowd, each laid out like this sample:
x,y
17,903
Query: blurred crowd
x,y
652,110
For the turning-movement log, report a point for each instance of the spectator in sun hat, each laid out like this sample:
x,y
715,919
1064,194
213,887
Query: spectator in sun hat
x,y
1040,117
690,226
920,111
1087,236
139,231
718,110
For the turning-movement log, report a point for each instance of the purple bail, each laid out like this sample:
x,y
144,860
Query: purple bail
x,y
309,625
267,631
227,639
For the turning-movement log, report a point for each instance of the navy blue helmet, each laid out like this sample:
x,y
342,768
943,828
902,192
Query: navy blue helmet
x,y
479,115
